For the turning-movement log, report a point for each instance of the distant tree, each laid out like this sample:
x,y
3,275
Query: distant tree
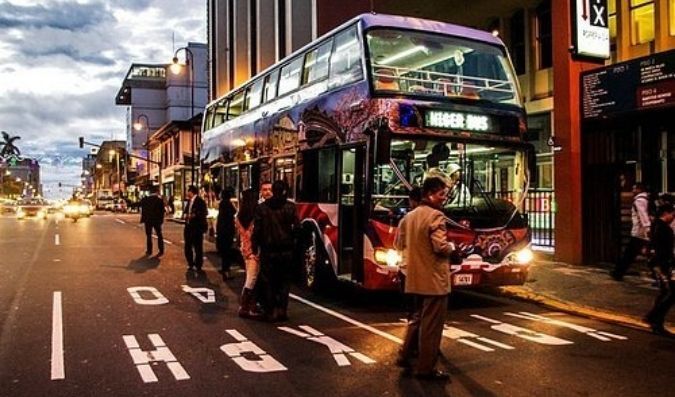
x,y
8,147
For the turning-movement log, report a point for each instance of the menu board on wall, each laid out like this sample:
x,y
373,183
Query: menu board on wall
x,y
641,83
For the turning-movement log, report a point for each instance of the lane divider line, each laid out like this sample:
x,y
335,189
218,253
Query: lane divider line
x,y
350,320
58,369
118,220
57,239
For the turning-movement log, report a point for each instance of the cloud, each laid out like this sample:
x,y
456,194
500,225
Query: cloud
x,y
62,15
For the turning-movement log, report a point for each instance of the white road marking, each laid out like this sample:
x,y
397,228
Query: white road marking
x,y
470,339
57,239
348,319
119,221
337,349
158,299
524,333
209,297
263,362
142,359
593,333
168,242
58,369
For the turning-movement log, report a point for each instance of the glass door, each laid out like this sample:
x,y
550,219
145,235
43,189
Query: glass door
x,y
351,222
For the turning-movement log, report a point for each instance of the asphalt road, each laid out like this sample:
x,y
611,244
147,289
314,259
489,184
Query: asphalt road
x,y
80,307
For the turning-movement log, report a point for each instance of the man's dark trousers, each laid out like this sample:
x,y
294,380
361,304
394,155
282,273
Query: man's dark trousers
x,y
425,331
148,237
634,247
276,274
663,302
194,247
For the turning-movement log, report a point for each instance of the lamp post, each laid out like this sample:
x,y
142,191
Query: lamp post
x,y
138,126
176,69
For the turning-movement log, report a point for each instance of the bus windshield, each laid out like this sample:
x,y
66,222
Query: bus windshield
x,y
486,181
419,63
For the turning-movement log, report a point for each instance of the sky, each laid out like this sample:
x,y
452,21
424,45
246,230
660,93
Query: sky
x,y
63,61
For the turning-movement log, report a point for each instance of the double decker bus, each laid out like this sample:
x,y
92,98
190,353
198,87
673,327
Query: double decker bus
x,y
356,118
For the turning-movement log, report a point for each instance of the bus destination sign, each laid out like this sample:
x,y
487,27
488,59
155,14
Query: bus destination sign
x,y
457,121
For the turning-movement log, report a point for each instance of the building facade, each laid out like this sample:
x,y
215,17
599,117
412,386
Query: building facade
x,y
538,34
157,95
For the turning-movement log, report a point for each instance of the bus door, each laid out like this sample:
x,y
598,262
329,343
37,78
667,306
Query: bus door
x,y
351,211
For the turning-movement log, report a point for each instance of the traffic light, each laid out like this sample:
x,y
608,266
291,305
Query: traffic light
x,y
81,139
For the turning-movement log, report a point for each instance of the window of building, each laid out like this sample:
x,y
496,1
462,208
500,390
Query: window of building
x,y
289,79
518,41
641,21
544,35
254,94
316,63
236,105
611,12
345,61
270,91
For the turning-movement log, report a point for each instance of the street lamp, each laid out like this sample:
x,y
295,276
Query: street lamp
x,y
138,126
176,69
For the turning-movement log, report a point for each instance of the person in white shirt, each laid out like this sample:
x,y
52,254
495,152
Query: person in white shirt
x,y
639,234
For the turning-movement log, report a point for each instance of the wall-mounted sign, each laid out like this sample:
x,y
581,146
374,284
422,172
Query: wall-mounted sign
x,y
642,83
591,29
457,120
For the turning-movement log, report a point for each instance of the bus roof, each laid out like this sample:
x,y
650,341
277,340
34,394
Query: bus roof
x,y
403,22
372,20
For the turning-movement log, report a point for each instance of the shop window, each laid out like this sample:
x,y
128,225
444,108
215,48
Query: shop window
x,y
544,35
611,13
518,41
671,17
545,176
641,21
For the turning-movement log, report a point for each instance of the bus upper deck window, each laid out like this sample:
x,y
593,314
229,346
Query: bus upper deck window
x,y
270,90
345,62
316,63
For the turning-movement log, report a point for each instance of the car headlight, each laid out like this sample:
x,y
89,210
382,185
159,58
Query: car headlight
x,y
388,257
83,209
20,213
523,256
41,214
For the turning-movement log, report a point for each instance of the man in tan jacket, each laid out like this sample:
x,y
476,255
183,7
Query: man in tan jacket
x,y
422,236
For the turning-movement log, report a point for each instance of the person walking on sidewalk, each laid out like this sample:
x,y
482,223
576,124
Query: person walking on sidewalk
x,y
244,225
152,215
423,240
225,232
275,225
662,266
195,227
639,234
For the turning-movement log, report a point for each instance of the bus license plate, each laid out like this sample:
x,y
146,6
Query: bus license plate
x,y
463,279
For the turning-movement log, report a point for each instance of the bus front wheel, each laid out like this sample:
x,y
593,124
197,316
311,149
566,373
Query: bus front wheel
x,y
315,267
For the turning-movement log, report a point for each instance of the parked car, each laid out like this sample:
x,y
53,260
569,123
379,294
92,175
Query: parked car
x,y
78,208
7,207
105,203
119,206
32,208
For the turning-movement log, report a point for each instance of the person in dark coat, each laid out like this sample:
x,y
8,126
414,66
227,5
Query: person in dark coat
x,y
195,227
152,215
275,225
662,266
225,232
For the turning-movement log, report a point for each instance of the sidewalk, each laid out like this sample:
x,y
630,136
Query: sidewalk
x,y
590,291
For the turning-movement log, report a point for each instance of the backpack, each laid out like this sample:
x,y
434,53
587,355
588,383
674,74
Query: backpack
x,y
651,204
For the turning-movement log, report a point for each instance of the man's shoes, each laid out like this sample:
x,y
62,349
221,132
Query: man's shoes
x,y
160,254
616,276
659,329
148,253
403,363
433,375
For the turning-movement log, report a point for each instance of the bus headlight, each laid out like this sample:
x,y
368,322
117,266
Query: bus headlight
x,y
523,256
389,257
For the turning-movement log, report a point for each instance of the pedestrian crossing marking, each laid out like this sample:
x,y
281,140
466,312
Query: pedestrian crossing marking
x,y
593,333
523,333
142,359
337,349
470,339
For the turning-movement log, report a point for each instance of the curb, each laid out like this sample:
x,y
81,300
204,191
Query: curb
x,y
526,294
